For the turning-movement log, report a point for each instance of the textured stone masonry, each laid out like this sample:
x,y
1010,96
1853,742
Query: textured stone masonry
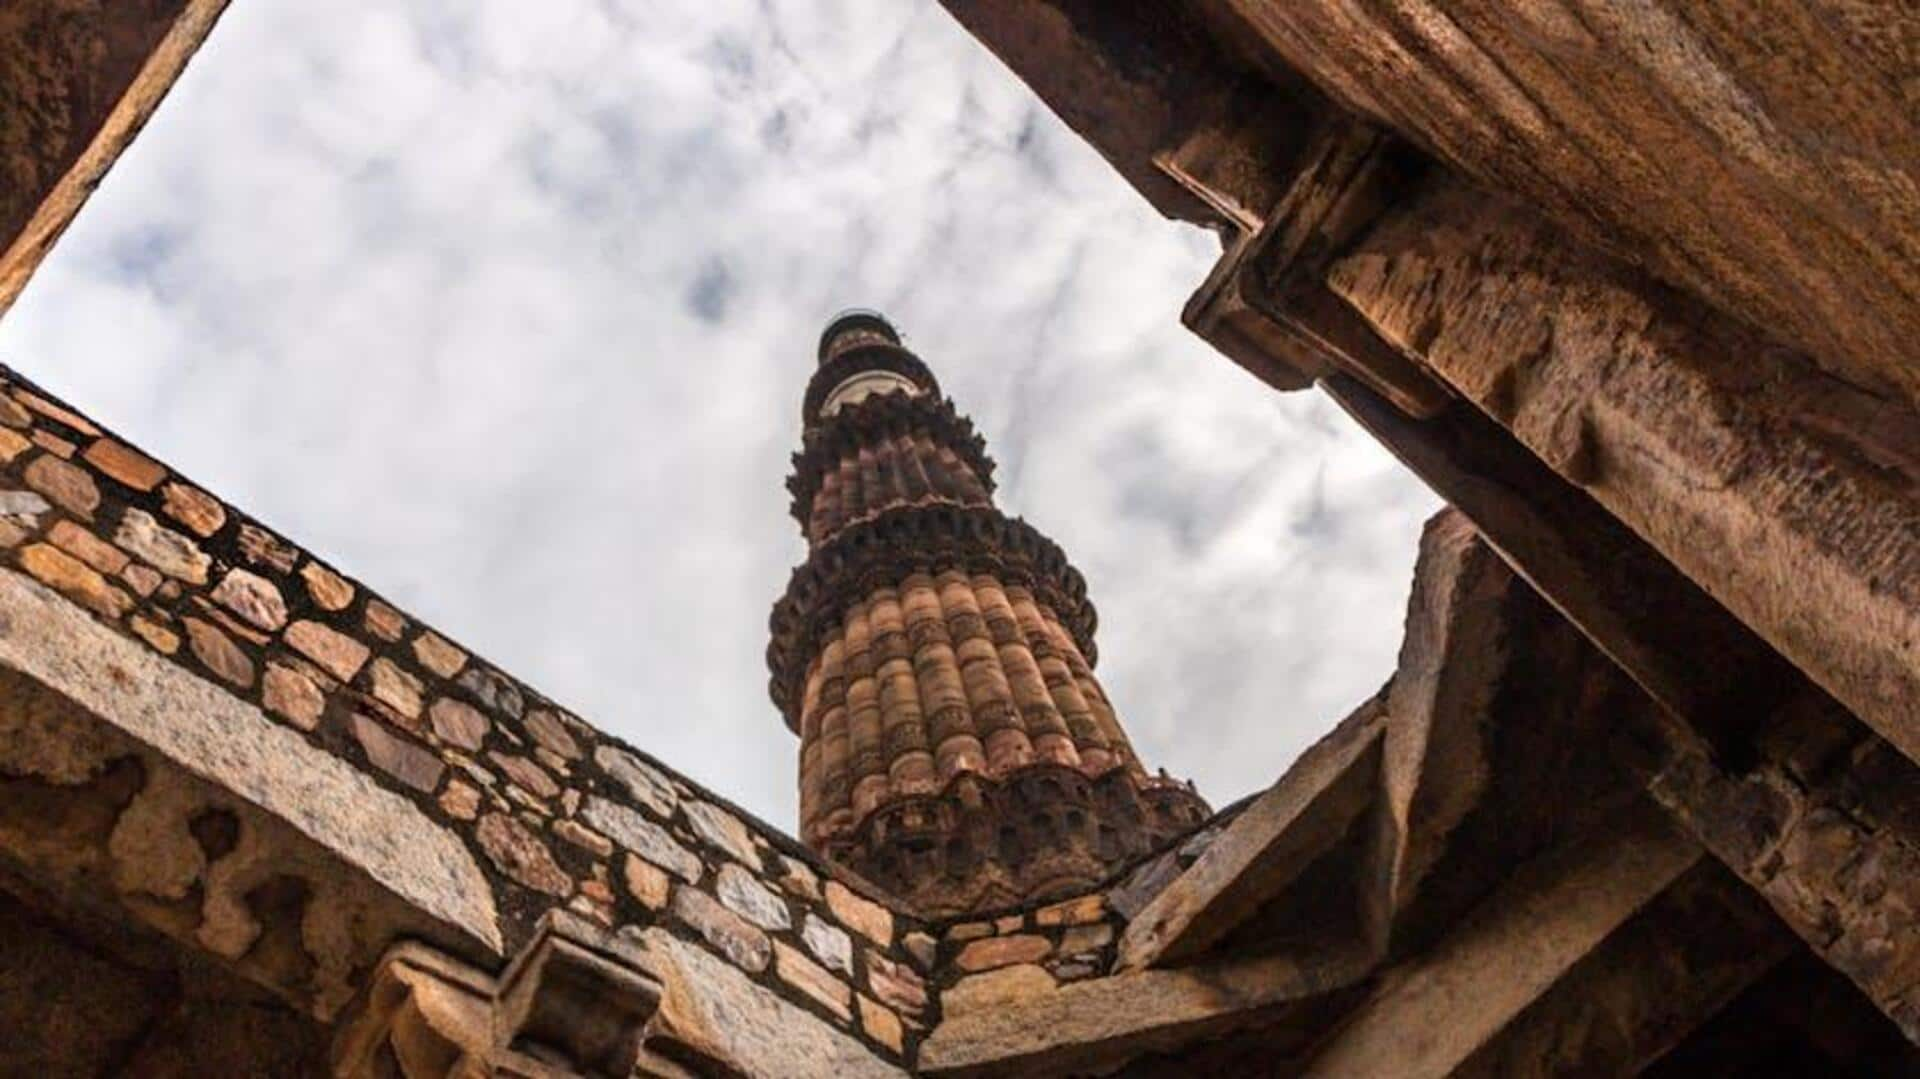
x,y
555,812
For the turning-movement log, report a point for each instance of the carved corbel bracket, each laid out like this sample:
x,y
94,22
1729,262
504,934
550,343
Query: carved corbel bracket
x,y
576,1001
1266,303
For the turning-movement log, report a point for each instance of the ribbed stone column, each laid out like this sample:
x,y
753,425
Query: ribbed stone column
x,y
936,658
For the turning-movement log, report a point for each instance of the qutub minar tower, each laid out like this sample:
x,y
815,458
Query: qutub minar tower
x,y
936,658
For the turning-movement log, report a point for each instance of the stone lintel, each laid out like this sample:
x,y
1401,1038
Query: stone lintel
x,y
94,72
1431,1014
1264,849
1094,1026
357,864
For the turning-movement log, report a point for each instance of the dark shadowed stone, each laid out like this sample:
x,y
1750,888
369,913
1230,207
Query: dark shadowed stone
x,y
410,764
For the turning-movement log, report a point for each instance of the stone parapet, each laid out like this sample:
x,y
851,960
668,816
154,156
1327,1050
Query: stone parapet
x,y
543,811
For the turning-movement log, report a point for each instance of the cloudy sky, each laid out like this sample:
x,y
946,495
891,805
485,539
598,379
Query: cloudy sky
x,y
506,310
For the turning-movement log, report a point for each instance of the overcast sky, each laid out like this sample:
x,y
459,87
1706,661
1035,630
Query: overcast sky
x,y
506,310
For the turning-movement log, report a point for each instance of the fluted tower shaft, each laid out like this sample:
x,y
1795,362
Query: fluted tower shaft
x,y
936,658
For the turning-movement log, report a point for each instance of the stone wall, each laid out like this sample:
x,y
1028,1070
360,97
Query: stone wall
x,y
554,812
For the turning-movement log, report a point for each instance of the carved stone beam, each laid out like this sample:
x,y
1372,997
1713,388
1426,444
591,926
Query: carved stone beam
x,y
1699,662
80,81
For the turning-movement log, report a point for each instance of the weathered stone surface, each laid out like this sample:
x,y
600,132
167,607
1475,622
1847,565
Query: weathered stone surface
x,y
810,978
1078,911
922,947
1017,1021
991,952
733,936
438,655
641,780
161,547
520,854
199,511
1762,479
895,983
864,916
640,835
743,893
584,837
155,634
329,590
65,484
65,417
75,579
828,942
530,776
394,687
797,878
547,729
253,598
1082,939
23,507
233,744
336,653
1445,1005
722,1016
87,547
458,723
126,464
880,1023
413,765
12,444
383,621
263,548
722,831
219,653
143,578
1004,988
494,690
645,881
460,800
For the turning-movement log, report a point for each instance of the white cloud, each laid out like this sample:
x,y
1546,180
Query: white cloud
x,y
506,309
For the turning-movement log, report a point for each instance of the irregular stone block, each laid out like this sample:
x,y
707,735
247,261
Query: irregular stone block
x,y
642,836
518,853
743,893
253,598
723,831
869,919
641,780
736,938
336,653
813,980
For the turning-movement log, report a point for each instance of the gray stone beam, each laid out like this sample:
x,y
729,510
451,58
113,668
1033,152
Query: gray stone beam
x,y
1266,847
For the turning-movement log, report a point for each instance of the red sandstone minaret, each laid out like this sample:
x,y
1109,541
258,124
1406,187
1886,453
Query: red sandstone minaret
x,y
936,658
